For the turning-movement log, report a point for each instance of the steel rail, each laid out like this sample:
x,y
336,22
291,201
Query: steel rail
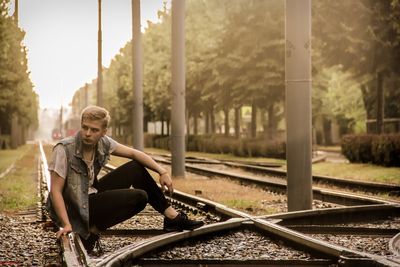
x,y
132,253
336,215
209,206
299,240
373,187
310,221
394,245
345,230
127,253
73,252
201,203
326,195
346,256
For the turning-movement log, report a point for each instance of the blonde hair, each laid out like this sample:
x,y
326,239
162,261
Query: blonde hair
x,y
95,113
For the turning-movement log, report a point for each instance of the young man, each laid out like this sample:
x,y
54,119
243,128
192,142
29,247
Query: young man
x,y
79,202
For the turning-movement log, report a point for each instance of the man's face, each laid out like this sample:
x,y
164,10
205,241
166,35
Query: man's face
x,y
92,131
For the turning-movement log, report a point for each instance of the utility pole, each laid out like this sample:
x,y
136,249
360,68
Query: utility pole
x,y
137,76
380,100
99,62
15,128
61,122
178,88
16,9
86,97
298,104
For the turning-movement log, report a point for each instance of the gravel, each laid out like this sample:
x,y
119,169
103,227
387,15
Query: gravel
x,y
25,242
235,245
373,245
377,245
145,220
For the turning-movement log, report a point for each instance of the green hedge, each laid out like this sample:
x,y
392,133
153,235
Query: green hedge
x,y
372,148
246,147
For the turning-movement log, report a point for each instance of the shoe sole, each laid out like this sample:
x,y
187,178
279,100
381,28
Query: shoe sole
x,y
181,229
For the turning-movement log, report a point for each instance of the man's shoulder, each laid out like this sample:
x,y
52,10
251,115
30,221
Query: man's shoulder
x,y
106,140
66,141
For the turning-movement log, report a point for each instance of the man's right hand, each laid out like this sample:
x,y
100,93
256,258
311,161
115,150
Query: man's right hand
x,y
64,231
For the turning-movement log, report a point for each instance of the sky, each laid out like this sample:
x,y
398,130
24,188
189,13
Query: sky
x,y
61,39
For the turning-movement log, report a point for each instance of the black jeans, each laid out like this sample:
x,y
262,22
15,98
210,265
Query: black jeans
x,y
117,201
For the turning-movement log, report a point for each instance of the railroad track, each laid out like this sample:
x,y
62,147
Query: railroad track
x,y
274,184
271,170
244,240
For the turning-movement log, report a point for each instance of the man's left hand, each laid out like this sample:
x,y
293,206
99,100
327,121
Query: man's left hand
x,y
166,183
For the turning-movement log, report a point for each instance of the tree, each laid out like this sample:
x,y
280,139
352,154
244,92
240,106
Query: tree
x,y
157,70
251,56
18,101
362,36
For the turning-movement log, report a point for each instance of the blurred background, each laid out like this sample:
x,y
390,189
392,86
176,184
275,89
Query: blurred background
x,y
235,74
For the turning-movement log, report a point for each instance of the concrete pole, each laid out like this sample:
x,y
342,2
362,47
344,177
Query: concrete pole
x,y
86,101
298,104
137,76
178,88
61,122
99,62
380,100
16,11
15,129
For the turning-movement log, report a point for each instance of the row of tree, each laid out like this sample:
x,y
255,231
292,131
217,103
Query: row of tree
x,y
18,101
235,57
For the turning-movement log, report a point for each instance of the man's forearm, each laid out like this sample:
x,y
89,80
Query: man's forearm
x,y
59,206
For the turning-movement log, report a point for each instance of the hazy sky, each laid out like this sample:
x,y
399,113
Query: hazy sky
x,y
61,38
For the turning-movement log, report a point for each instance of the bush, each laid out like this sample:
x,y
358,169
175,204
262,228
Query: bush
x,y
371,148
357,148
248,147
386,150
157,141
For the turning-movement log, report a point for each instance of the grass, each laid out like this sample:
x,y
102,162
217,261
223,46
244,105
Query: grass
x,y
9,156
249,199
246,198
18,189
365,172
329,148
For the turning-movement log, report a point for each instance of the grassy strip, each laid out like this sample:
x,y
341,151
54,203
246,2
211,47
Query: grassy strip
x,y
18,189
251,199
365,172
246,198
329,148
9,156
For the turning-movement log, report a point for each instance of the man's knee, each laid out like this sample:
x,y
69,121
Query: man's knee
x,y
136,168
139,198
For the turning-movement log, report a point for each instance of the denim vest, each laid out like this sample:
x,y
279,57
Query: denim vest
x,y
75,192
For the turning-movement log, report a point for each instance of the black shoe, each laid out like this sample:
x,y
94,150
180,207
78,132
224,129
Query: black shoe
x,y
181,222
90,243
